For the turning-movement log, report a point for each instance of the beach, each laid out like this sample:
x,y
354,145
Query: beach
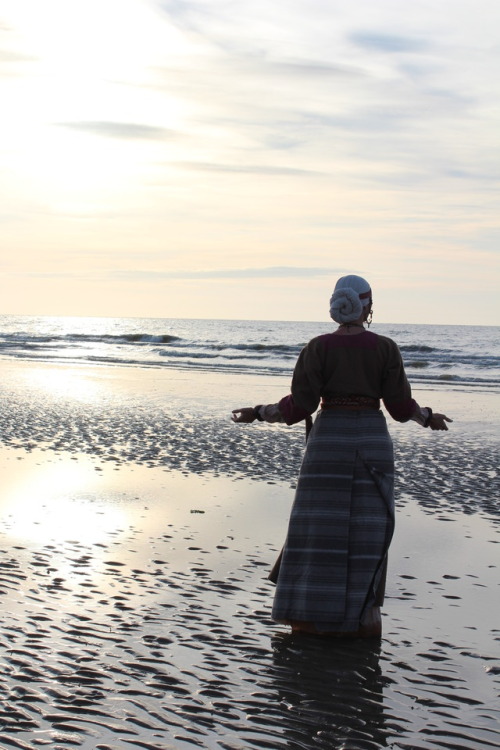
x,y
138,527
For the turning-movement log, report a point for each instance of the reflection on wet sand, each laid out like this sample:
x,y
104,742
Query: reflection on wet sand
x,y
156,633
58,501
135,544
329,693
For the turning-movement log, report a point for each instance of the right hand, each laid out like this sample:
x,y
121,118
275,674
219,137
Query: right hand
x,y
246,415
438,421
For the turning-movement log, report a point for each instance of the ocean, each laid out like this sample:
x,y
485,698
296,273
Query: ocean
x,y
463,357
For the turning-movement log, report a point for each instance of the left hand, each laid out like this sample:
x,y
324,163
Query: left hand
x,y
246,415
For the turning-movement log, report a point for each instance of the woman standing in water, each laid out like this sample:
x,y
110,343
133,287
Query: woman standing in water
x,y
330,577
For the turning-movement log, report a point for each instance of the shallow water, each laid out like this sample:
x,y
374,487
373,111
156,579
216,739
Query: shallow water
x,y
146,623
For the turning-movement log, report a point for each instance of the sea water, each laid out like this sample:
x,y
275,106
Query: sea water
x,y
464,357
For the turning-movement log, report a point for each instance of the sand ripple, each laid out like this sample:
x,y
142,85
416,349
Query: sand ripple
x,y
166,656
162,640
455,471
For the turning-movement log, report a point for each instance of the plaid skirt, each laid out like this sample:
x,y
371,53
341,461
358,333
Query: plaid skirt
x,y
332,567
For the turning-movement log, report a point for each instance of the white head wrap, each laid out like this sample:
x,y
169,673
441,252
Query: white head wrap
x,y
351,294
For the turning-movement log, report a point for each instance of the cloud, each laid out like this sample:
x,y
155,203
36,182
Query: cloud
x,y
9,56
271,272
387,42
122,130
11,62
246,169
310,69
151,276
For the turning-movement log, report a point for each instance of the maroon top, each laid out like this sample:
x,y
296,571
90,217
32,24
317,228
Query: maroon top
x,y
363,364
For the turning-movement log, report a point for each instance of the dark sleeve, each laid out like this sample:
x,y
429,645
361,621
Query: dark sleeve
x,y
307,382
396,390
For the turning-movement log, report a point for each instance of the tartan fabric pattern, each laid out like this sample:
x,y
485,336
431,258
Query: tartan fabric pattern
x,y
341,522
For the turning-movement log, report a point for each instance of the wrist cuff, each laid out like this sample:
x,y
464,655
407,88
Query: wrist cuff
x,y
256,411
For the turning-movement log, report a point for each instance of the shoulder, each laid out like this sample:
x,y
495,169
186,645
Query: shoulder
x,y
318,342
386,341
389,350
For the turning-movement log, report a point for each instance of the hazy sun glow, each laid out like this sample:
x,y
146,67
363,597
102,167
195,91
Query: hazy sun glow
x,y
88,62
151,150
79,42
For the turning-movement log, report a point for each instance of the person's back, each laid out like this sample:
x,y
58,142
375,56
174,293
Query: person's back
x,y
362,364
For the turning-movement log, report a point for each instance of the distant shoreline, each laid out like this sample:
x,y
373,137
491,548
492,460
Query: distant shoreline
x,y
238,320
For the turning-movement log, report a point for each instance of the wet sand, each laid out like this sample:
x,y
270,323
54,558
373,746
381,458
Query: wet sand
x,y
137,529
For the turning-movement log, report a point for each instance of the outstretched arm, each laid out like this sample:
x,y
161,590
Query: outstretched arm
x,y
247,414
427,418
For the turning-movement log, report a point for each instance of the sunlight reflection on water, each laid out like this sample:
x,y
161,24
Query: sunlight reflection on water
x,y
41,505
71,383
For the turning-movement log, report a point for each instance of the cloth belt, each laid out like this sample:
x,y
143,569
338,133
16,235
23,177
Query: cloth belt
x,y
351,403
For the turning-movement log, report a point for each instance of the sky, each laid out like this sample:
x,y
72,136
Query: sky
x,y
233,158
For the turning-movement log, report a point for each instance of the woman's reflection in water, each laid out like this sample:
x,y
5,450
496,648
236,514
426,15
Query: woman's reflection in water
x,y
330,693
